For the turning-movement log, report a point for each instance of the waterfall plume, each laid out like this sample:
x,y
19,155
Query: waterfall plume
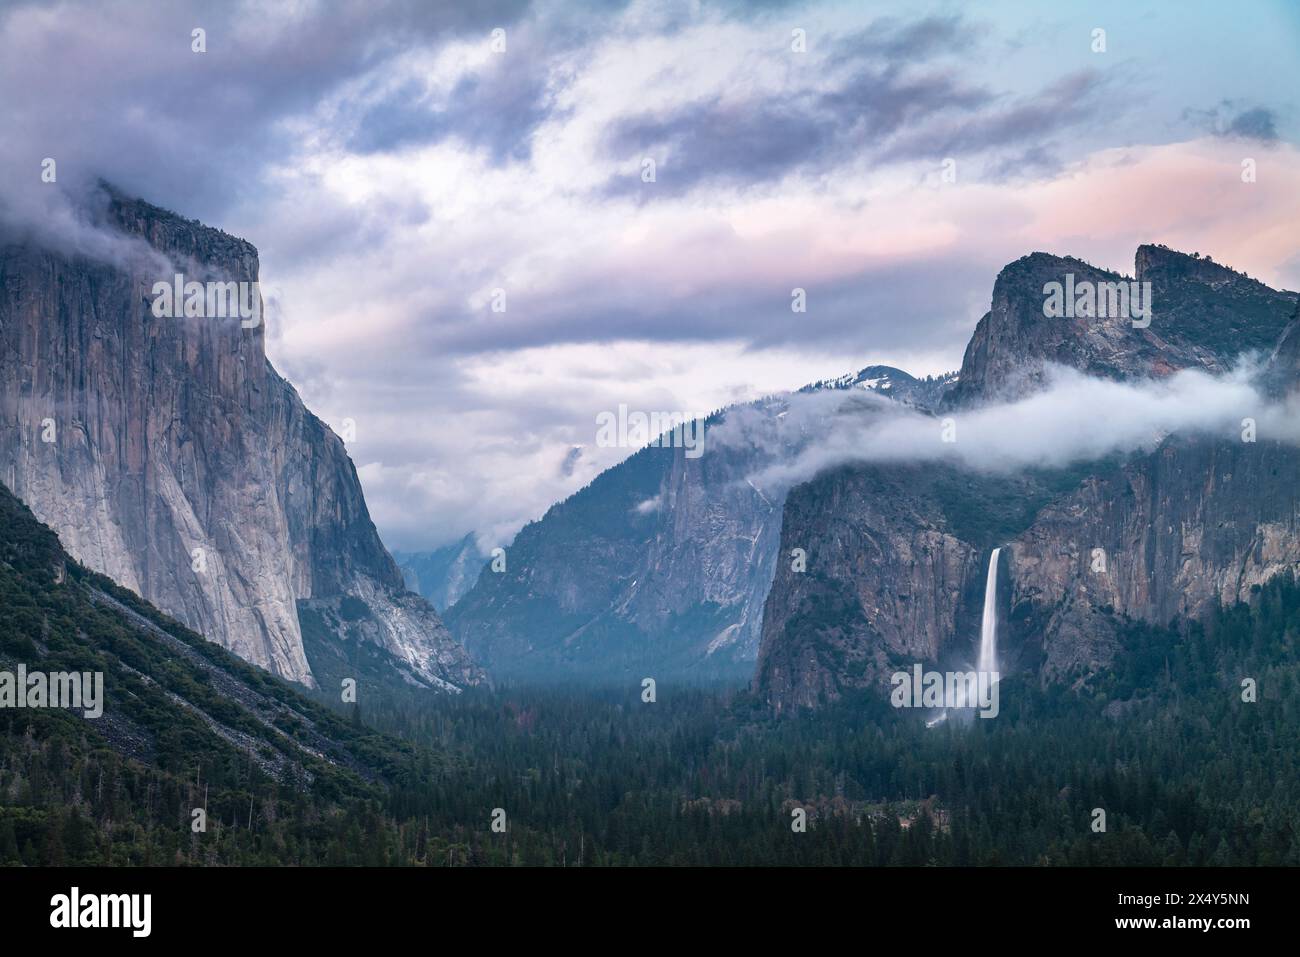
x,y
988,659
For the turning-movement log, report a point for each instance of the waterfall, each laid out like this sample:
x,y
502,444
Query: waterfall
x,y
988,662
987,670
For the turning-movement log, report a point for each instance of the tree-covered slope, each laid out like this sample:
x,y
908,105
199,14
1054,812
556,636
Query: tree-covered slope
x,y
185,725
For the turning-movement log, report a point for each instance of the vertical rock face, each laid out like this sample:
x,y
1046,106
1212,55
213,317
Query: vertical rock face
x,y
897,558
886,579
1202,316
1192,525
661,563
896,554
443,575
169,454
1283,369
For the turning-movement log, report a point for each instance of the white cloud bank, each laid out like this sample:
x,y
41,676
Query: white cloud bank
x,y
1074,419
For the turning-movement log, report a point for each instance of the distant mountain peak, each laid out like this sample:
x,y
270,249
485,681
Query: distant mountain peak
x,y
892,382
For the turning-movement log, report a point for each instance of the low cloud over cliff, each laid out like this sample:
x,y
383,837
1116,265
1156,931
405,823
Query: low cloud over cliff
x,y
1074,419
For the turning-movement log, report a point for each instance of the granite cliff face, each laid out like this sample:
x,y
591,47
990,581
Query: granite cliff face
x,y
1203,315
662,564
885,578
442,575
1193,525
169,455
896,557
897,554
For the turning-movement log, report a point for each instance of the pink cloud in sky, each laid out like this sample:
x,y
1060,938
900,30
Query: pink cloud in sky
x,y
1188,195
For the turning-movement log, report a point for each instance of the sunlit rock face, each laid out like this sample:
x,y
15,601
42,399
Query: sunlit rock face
x,y
168,454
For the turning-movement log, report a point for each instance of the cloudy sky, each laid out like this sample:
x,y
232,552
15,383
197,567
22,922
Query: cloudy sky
x,y
396,163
